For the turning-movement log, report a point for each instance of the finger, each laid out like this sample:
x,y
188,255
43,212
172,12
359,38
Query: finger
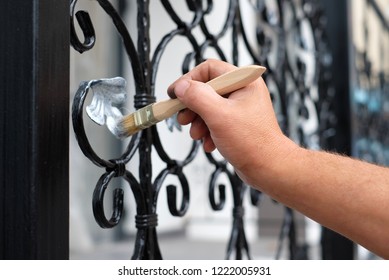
x,y
203,72
198,129
199,97
186,116
208,144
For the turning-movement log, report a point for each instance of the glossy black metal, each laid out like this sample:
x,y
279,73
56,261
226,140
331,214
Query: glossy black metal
x,y
237,241
34,118
333,245
282,27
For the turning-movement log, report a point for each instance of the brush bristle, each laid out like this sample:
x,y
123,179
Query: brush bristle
x,y
126,127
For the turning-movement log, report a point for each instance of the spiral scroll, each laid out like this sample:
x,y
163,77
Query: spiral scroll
x,y
289,41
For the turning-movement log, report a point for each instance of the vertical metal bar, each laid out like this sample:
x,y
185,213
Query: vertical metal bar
x,y
142,99
34,118
335,246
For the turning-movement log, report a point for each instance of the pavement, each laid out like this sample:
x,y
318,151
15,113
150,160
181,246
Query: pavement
x,y
176,246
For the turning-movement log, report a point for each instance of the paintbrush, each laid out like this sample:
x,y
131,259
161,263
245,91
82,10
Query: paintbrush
x,y
156,112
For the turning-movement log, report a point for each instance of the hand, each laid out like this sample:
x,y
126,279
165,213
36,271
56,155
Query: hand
x,y
243,127
336,191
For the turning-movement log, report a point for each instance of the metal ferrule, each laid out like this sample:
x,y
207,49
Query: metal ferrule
x,y
144,117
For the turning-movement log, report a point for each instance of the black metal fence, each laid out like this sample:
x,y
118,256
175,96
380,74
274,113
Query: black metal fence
x,y
290,41
305,50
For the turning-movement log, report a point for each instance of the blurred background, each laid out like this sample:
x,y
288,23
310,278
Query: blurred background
x,y
333,94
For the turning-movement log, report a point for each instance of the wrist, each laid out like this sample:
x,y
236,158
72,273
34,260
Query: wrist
x,y
265,167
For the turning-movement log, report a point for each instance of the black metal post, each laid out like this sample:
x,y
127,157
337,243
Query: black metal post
x,y
335,246
34,119
283,28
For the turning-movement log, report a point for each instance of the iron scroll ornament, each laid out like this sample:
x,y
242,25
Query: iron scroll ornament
x,y
286,78
146,198
144,191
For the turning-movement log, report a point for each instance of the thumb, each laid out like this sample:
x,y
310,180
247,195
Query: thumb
x,y
199,97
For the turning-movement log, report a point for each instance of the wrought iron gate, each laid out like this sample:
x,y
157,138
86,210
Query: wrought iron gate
x,y
290,42
293,39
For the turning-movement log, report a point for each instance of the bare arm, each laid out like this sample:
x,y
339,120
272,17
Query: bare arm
x,y
344,194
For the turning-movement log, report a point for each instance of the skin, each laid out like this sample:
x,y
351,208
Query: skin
x,y
344,194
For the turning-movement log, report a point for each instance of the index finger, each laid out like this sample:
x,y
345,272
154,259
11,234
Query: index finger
x,y
204,72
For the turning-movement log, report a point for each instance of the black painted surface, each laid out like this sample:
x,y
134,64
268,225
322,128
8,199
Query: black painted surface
x,y
335,246
34,120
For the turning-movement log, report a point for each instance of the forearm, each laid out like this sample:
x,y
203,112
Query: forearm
x,y
344,194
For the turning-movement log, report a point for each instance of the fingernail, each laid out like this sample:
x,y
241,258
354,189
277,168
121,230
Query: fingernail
x,y
180,88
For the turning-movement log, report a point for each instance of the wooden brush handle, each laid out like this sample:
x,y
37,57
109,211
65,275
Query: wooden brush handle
x,y
223,84
236,79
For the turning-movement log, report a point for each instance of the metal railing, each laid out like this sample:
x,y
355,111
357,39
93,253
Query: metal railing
x,y
290,40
